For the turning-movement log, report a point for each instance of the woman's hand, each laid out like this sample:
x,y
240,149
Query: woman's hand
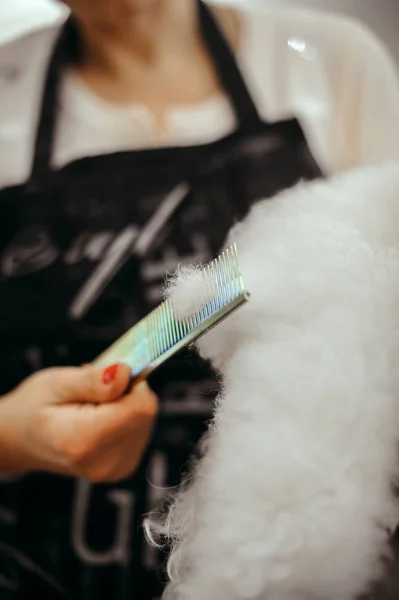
x,y
77,421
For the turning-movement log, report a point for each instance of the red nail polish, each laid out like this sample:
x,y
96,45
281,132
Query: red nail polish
x,y
109,373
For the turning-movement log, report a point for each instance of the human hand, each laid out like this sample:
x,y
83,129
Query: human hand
x,y
77,421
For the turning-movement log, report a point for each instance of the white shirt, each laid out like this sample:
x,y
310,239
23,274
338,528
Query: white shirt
x,y
328,71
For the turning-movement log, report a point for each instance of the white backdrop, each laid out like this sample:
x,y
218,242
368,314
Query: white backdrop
x,y
382,15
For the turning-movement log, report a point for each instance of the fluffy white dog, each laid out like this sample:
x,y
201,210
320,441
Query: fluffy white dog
x,y
293,497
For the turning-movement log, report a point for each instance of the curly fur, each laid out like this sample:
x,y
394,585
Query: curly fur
x,y
293,497
189,291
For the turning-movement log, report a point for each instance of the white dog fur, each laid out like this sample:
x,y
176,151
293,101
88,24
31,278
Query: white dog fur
x,y
293,497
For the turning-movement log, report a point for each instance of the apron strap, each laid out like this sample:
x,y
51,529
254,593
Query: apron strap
x,y
224,62
45,133
228,71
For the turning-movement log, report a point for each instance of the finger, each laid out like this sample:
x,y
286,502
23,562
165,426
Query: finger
x,y
141,402
135,410
90,384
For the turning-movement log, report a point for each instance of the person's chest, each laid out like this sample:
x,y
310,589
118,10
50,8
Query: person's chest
x,y
88,125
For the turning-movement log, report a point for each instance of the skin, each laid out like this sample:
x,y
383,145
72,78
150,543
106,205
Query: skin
x,y
69,421
148,52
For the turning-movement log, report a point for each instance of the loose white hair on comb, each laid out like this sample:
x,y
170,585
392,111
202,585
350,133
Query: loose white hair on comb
x,y
200,291
293,498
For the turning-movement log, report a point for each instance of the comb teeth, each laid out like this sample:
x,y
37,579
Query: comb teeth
x,y
160,335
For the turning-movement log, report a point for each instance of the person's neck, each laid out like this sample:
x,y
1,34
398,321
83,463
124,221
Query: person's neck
x,y
142,41
157,59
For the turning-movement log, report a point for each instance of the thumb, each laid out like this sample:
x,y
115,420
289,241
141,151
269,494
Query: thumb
x,y
90,383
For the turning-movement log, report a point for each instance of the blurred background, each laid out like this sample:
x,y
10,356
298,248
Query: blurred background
x,y
382,15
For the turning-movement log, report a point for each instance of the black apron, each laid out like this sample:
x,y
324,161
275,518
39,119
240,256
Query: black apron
x,y
56,231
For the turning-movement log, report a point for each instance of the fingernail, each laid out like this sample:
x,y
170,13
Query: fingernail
x,y
109,373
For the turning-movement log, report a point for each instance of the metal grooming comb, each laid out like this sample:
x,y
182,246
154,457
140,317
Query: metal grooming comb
x,y
161,334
